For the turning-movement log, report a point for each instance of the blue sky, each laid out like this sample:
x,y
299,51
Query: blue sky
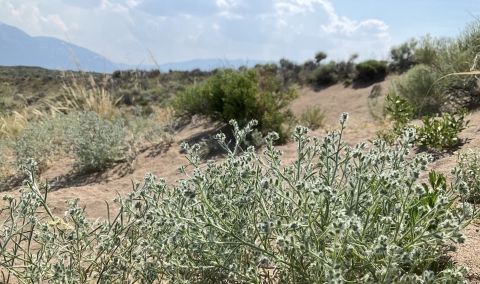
x,y
180,30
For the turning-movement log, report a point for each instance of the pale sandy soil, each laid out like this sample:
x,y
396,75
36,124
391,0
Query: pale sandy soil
x,y
162,161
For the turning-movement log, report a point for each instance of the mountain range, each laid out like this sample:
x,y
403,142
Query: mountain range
x,y
17,48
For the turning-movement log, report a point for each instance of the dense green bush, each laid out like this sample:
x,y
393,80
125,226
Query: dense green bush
x,y
324,74
336,214
240,96
371,70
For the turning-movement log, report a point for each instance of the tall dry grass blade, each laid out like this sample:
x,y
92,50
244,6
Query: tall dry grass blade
x,y
12,125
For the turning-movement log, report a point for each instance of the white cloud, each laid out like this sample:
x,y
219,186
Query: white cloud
x,y
226,3
133,3
230,15
56,21
122,30
346,26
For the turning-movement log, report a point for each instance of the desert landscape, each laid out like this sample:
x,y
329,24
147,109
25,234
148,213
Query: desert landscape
x,y
93,190
314,169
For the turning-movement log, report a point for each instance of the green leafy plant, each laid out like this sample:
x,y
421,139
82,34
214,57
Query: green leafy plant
x,y
400,112
336,214
443,132
313,118
434,133
371,70
347,82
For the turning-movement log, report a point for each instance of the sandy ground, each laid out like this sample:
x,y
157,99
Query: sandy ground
x,y
163,161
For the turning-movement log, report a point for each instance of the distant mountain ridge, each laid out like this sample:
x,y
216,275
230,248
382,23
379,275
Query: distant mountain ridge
x,y
17,48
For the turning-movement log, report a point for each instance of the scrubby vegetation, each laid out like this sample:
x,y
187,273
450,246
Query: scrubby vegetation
x,y
241,96
427,84
336,214
371,70
434,133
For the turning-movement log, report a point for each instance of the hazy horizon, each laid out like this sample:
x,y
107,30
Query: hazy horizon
x,y
126,31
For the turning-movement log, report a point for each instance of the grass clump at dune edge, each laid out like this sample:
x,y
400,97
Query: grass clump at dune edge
x,y
337,213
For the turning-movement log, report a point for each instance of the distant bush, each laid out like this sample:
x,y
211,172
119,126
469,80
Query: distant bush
x,y
403,56
375,92
324,74
345,69
313,118
240,96
440,57
371,70
43,141
417,86
319,56
97,143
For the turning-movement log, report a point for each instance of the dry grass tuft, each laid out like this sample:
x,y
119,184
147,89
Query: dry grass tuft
x,y
82,93
12,125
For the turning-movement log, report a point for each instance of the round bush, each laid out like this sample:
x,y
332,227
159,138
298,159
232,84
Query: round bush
x,y
371,70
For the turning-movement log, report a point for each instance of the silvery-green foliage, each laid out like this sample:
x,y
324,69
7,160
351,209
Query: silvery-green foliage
x,y
149,129
42,141
97,143
337,214
469,162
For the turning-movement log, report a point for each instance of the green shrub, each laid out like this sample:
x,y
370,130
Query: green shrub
x,y
401,113
336,214
443,56
417,86
403,56
324,74
313,118
240,96
443,132
347,82
434,133
97,143
43,141
371,70
469,163
319,56
345,70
